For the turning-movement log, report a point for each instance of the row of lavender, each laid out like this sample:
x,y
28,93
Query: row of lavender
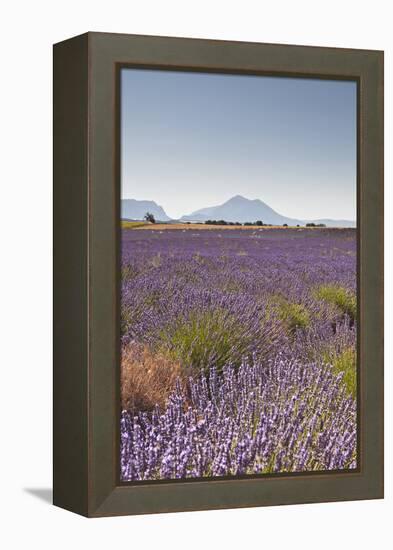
x,y
258,344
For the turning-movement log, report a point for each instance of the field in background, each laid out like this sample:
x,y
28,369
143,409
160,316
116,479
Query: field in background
x,y
204,227
133,225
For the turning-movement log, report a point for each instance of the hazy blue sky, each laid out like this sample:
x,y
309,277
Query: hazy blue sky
x,y
191,140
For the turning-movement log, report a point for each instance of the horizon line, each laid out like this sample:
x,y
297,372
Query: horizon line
x,y
248,199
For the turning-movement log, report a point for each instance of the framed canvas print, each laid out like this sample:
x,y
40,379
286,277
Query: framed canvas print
x,y
218,274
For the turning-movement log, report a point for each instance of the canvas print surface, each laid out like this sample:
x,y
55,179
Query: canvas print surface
x,y
238,275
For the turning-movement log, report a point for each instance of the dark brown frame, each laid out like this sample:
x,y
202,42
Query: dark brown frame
x,y
86,253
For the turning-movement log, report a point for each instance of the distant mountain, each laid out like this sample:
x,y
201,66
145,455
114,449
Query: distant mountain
x,y
133,209
236,209
240,209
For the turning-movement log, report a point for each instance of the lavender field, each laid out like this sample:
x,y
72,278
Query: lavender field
x,y
238,352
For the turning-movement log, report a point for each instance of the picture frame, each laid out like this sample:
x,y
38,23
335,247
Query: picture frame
x,y
86,265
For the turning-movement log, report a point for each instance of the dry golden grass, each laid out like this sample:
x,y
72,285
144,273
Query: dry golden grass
x,y
206,227
147,378
143,226
132,225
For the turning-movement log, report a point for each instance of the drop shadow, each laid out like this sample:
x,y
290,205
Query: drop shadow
x,y
43,494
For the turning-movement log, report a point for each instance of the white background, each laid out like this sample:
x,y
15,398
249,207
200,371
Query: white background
x,y
28,29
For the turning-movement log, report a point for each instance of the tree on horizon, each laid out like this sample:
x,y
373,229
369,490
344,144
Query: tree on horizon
x,y
149,217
